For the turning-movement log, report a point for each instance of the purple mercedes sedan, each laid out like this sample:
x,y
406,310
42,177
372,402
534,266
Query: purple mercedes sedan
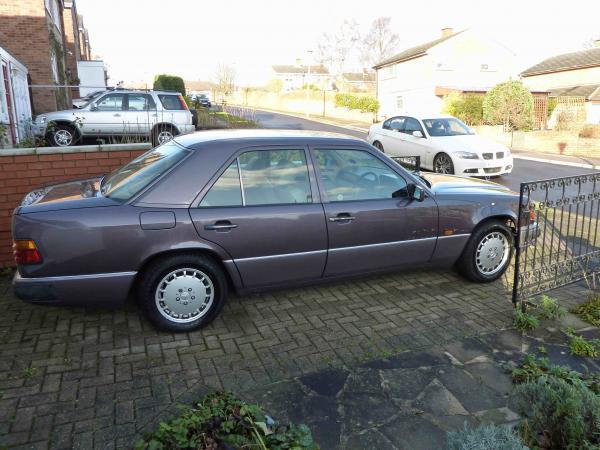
x,y
250,210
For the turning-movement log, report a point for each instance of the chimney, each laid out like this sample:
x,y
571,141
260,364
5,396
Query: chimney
x,y
448,31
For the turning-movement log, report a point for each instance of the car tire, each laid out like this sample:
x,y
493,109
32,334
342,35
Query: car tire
x,y
168,289
162,134
442,163
62,136
481,261
378,146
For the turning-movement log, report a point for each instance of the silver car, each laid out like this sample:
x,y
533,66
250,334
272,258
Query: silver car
x,y
160,115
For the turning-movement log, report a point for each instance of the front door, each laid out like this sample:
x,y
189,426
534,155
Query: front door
x,y
264,210
372,223
415,146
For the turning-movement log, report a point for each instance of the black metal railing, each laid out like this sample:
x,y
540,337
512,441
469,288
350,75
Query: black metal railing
x,y
409,162
558,241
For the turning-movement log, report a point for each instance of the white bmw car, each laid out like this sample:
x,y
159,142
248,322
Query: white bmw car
x,y
444,143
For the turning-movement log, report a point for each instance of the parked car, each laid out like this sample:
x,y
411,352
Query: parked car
x,y
254,210
160,115
204,101
444,144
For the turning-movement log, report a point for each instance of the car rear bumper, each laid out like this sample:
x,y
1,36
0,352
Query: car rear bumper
x,y
77,290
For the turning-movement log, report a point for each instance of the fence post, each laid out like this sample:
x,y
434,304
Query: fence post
x,y
518,248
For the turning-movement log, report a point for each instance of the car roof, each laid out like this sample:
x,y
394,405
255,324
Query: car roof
x,y
423,116
192,140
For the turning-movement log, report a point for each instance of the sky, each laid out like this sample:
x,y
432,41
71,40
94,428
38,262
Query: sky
x,y
190,38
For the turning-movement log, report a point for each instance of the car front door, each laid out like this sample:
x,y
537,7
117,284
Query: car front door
x,y
106,116
265,211
372,221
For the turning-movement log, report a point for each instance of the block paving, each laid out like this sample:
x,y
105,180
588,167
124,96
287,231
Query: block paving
x,y
90,378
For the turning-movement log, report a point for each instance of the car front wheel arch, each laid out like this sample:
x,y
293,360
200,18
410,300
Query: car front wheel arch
x,y
161,129
443,157
54,127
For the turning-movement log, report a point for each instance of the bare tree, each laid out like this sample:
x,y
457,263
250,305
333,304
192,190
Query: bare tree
x,y
333,49
379,43
225,78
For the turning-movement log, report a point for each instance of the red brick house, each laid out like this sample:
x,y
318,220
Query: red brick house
x,y
36,32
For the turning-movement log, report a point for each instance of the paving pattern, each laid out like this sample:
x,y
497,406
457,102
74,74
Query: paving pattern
x,y
77,378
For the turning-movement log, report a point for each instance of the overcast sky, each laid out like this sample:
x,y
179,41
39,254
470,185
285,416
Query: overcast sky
x,y
140,38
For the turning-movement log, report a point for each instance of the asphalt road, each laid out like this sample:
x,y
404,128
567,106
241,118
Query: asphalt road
x,y
524,170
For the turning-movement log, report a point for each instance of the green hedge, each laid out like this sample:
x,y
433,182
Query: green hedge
x,y
166,82
361,103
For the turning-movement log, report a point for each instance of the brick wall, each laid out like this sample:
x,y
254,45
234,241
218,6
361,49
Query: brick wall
x,y
22,170
24,32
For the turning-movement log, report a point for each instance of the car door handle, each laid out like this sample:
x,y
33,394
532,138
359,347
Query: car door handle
x,y
342,217
221,225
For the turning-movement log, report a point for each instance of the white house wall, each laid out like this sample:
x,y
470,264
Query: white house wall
x,y
458,63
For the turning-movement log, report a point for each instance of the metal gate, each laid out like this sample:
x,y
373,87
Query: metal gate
x,y
564,244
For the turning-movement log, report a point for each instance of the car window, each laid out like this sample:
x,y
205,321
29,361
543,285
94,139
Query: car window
x,y
124,183
411,124
226,191
446,127
140,102
397,123
110,102
357,175
272,177
171,102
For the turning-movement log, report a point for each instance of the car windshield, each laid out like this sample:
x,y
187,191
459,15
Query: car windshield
x,y
124,183
446,127
91,97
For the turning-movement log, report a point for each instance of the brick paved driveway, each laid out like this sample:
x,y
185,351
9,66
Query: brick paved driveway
x,y
82,378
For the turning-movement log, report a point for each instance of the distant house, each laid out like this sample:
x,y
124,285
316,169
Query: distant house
x,y
574,76
415,78
357,82
15,104
295,77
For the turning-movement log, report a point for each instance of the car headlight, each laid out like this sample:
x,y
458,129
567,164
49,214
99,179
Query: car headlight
x,y
42,119
34,196
467,155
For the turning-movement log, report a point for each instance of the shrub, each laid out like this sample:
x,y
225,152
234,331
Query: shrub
x,y
558,414
221,420
589,311
509,104
490,437
468,108
524,321
169,83
552,101
580,346
550,309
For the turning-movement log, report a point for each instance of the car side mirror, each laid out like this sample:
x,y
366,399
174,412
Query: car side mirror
x,y
94,107
417,134
416,192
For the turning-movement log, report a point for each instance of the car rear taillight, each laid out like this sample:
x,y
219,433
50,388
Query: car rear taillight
x,y
26,252
183,103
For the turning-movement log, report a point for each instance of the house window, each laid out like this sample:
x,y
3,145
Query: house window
x,y
399,102
487,68
54,12
389,71
443,65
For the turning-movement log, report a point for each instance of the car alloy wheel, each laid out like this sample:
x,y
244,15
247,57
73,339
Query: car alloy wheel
x,y
492,253
63,138
184,295
443,164
164,136
378,146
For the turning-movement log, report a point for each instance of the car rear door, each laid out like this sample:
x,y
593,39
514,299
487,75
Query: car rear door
x,y
139,113
264,210
369,227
